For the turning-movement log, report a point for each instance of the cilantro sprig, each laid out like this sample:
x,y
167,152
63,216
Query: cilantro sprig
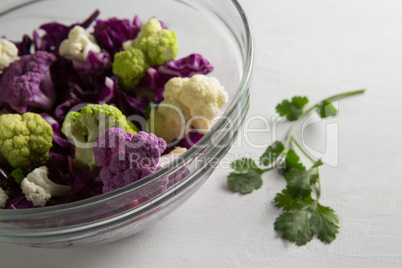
x,y
303,217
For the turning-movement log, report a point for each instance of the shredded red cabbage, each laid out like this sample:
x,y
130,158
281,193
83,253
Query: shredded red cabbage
x,y
69,83
112,33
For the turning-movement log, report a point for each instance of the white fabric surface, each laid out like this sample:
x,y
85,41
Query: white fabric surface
x,y
303,47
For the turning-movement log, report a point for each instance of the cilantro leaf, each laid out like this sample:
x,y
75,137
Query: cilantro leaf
x,y
326,109
293,161
294,226
244,164
292,109
244,182
324,223
272,153
300,182
287,202
303,217
247,176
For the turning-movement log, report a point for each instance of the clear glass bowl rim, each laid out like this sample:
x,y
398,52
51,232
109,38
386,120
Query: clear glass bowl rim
x,y
37,212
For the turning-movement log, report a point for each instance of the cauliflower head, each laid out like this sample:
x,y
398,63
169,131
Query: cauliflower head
x,y
189,102
131,161
3,198
78,44
166,159
109,143
25,140
158,44
38,188
130,66
8,53
169,121
27,83
203,96
83,127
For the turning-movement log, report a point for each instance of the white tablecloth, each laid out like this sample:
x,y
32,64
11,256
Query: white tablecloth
x,y
303,47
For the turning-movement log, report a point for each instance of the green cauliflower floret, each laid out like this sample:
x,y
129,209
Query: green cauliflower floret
x,y
130,66
25,140
83,127
158,44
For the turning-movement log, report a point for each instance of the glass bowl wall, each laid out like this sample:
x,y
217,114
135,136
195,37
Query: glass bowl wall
x,y
217,29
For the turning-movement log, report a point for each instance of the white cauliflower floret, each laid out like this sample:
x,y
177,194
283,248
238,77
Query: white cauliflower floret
x,y
203,96
3,198
166,159
78,44
129,43
169,121
174,88
199,99
8,54
38,188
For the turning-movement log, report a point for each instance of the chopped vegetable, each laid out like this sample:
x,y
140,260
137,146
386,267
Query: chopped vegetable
x,y
3,198
83,127
18,175
110,143
158,44
134,159
155,79
64,85
25,140
38,188
130,105
130,66
78,44
94,69
112,33
167,159
8,54
27,83
24,47
7,182
185,67
187,102
56,33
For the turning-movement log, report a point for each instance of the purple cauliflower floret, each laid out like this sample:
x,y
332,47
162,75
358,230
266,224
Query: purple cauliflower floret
x,y
110,143
136,159
27,83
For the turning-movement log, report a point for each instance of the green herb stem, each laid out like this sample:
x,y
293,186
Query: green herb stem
x,y
303,217
318,186
270,168
306,112
292,129
345,94
302,150
318,189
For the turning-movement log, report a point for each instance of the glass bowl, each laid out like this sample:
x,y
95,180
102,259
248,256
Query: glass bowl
x,y
217,29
